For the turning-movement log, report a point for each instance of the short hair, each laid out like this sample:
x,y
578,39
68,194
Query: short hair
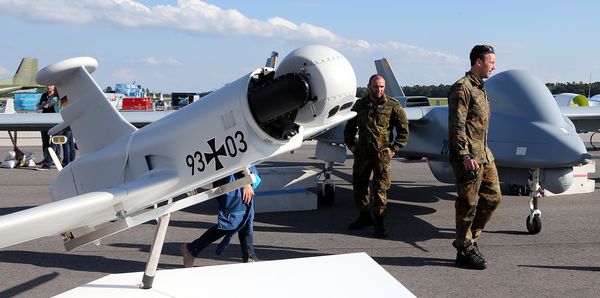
x,y
479,51
374,77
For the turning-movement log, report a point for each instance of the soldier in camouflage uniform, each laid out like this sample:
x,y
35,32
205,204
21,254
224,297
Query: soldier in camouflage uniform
x,y
477,182
377,115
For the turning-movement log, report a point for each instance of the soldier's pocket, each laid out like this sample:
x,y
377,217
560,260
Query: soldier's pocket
x,y
383,116
469,177
384,157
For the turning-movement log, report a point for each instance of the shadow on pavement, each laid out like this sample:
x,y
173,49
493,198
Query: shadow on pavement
x,y
24,287
71,261
414,261
576,268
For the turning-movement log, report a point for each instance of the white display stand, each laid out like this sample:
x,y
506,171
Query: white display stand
x,y
347,275
286,189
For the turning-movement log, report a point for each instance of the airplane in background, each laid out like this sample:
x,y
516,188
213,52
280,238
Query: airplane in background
x,y
582,111
126,176
594,100
571,100
393,89
24,77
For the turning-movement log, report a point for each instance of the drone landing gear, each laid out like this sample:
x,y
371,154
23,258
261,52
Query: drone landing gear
x,y
534,220
326,195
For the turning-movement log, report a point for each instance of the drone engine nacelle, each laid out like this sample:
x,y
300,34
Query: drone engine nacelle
x,y
311,88
571,100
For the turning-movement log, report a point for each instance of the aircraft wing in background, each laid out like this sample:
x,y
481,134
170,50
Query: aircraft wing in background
x,y
45,121
585,119
24,77
582,111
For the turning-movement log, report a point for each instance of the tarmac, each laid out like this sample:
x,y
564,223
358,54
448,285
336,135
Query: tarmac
x,y
563,260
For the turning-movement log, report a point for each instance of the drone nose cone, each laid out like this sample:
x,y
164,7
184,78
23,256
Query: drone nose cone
x,y
569,149
573,153
332,82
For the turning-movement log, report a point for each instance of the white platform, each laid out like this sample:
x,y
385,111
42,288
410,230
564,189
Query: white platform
x,y
348,275
286,189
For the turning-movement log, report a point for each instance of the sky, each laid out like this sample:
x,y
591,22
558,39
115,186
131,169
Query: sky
x,y
196,46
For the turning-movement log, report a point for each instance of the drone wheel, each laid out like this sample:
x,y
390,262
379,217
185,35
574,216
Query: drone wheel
x,y
534,226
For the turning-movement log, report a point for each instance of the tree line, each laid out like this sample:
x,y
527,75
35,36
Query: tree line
x,y
433,91
442,90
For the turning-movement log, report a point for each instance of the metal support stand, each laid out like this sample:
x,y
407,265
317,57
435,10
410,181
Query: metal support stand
x,y
161,213
55,159
155,251
19,155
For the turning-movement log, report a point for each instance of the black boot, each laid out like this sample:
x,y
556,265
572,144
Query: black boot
x,y
470,258
364,219
380,231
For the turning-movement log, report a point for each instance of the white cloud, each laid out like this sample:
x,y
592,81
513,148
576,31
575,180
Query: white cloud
x,y
509,47
415,52
283,23
156,61
124,74
3,71
199,17
157,74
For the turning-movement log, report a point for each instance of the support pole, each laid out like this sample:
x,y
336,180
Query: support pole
x,y
155,251
19,155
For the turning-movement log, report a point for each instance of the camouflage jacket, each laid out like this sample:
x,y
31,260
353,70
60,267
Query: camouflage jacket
x,y
468,120
375,123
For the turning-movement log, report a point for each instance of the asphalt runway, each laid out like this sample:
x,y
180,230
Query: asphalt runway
x,y
562,261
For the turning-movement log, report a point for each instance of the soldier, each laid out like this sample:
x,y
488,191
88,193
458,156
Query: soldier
x,y
377,115
478,189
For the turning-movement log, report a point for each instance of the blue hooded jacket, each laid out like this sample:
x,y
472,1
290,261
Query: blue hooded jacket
x,y
234,214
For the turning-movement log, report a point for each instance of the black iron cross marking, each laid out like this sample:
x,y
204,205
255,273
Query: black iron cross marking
x,y
215,154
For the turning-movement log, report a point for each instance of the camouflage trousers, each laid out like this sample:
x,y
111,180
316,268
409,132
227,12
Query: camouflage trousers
x,y
380,166
476,202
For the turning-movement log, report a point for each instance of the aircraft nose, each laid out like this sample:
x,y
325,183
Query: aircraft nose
x,y
586,156
574,151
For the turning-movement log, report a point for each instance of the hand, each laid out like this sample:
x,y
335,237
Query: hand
x,y
388,151
471,164
247,194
